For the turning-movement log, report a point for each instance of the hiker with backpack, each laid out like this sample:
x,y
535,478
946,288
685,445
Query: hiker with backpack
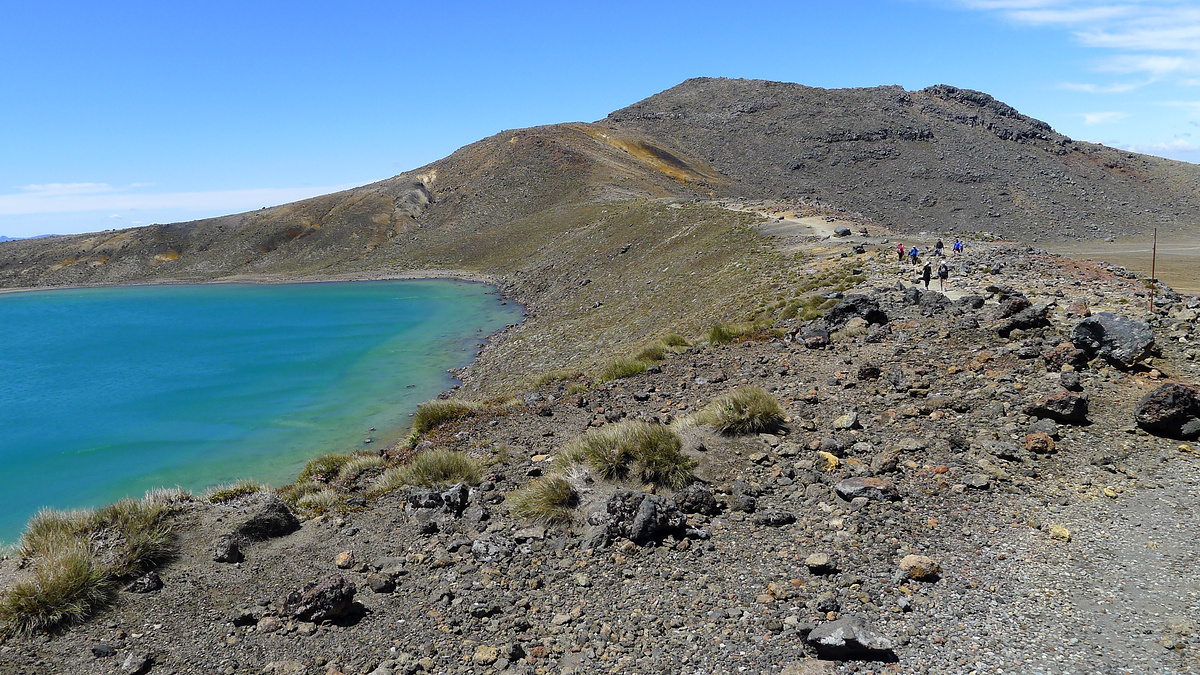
x,y
926,272
943,273
900,252
912,254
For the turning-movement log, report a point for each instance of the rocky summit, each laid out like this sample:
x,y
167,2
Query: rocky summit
x,y
727,438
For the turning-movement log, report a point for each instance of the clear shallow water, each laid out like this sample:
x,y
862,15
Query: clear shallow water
x,y
107,392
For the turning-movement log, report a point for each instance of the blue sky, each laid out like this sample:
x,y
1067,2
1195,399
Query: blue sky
x,y
125,113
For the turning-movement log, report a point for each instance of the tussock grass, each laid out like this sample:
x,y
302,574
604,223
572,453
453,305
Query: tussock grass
x,y
292,494
550,499
559,375
77,557
323,469
650,452
319,502
675,340
358,464
744,410
65,587
228,492
723,333
432,414
655,351
167,497
622,367
432,468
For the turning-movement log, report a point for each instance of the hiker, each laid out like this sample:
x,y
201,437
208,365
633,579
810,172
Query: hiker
x,y
912,254
926,271
958,246
938,248
900,252
943,274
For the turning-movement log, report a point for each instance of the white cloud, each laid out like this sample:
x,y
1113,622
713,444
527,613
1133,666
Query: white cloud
x,y
100,197
1159,38
1104,117
1116,88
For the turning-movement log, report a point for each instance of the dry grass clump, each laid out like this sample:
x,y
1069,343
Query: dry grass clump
x,y
745,410
319,502
655,351
723,333
650,452
77,558
432,468
432,414
622,367
559,375
323,469
357,464
292,494
227,492
675,340
550,499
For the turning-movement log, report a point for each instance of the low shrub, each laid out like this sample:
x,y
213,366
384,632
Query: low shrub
x,y
550,499
744,410
291,494
622,367
435,413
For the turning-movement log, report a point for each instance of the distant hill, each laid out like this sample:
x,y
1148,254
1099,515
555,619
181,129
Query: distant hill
x,y
939,159
3,238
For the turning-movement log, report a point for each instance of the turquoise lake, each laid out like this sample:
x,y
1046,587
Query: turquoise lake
x,y
107,392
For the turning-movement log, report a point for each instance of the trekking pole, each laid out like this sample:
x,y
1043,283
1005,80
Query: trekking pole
x,y
1153,259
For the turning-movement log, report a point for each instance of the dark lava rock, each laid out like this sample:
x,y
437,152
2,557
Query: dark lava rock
x,y
1071,381
331,597
971,301
226,550
841,231
1013,305
1119,340
1026,319
850,637
696,498
1063,407
638,516
932,302
147,583
380,583
774,518
268,519
869,372
877,489
1065,354
855,305
103,651
1172,410
912,295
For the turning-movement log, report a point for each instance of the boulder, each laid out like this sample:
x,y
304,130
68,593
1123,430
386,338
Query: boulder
x,y
1119,340
331,597
932,302
696,498
774,518
1065,354
919,567
841,231
855,305
266,519
877,489
1172,410
1026,319
1063,407
638,516
1012,305
850,637
226,550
